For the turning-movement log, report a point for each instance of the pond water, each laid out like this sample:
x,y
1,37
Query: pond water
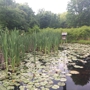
x,y
69,69
79,81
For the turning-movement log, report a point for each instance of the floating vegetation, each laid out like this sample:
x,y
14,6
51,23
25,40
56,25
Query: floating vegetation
x,y
68,74
61,83
76,66
55,86
47,71
63,79
74,72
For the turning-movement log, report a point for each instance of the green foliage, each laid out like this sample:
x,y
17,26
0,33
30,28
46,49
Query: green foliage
x,y
34,29
14,44
84,41
13,15
12,47
47,40
78,13
21,16
48,19
76,34
63,20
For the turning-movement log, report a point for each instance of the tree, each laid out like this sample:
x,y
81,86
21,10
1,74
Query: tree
x,y
43,18
48,19
78,13
14,15
63,22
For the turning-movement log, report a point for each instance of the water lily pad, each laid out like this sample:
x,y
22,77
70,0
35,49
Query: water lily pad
x,y
63,72
55,87
5,83
57,78
62,76
77,66
37,84
10,87
43,83
61,83
29,86
48,86
2,88
22,87
68,74
56,75
74,72
63,79
50,82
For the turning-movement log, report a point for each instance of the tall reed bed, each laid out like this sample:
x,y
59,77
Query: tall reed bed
x,y
12,47
46,40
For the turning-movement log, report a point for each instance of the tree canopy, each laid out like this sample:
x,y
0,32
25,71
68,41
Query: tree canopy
x,y
48,19
21,16
14,15
78,13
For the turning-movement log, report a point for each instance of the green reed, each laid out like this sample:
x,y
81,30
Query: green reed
x,y
4,46
47,40
12,47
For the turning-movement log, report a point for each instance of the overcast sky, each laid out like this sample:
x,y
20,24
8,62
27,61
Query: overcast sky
x,y
55,6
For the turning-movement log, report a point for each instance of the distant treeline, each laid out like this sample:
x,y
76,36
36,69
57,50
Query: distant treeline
x,y
22,17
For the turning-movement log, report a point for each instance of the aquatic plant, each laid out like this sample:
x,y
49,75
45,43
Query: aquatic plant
x,y
12,48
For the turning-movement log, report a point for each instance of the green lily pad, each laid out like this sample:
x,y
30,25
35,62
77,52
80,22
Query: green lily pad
x,y
68,74
55,87
2,88
74,72
63,79
29,86
22,87
10,87
61,83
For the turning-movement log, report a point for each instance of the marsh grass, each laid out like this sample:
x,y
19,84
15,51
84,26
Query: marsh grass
x,y
48,40
12,48
14,45
4,46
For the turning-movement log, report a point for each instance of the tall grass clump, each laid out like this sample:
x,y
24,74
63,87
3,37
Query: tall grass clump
x,y
47,40
12,47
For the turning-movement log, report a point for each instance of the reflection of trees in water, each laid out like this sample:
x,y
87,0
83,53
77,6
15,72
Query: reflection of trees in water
x,y
84,76
64,87
80,79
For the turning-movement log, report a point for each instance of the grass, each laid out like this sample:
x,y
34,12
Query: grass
x,y
12,48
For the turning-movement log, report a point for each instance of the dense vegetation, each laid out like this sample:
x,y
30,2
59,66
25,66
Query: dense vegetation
x,y
78,13
22,17
14,44
22,31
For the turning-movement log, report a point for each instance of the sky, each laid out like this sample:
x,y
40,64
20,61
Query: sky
x,y
55,6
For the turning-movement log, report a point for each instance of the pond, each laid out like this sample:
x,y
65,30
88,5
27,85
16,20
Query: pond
x,y
67,69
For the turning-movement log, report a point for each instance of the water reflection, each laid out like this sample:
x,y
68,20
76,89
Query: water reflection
x,y
84,73
64,87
